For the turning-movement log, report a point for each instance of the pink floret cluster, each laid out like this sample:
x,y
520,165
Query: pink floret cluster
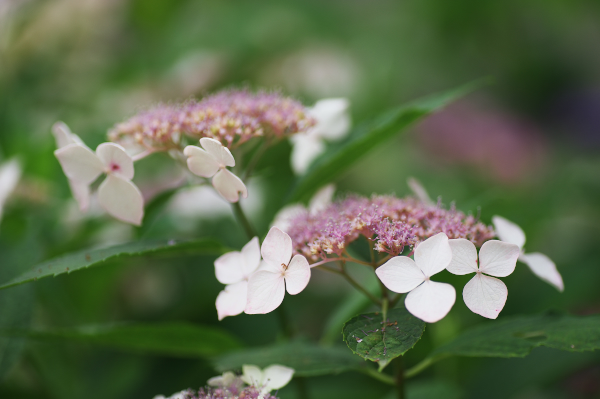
x,y
250,392
390,223
230,116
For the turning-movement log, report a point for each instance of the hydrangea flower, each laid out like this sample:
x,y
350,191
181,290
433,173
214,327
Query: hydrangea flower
x,y
234,269
428,300
483,294
269,379
212,161
332,123
228,380
266,287
540,264
117,194
319,201
10,173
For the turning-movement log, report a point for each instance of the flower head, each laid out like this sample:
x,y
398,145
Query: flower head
x,y
428,300
540,264
212,161
484,295
280,272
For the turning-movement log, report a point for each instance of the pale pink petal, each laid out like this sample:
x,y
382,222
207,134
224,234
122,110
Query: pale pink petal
x,y
229,186
304,151
116,159
252,375
431,301
297,275
276,249
400,274
333,119
79,163
434,254
62,134
81,193
229,268
508,231
217,150
276,377
200,162
265,292
232,300
417,188
544,268
464,257
321,199
121,199
485,295
498,258
251,256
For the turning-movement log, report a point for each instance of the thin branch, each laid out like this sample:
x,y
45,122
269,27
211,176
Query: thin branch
x,y
243,220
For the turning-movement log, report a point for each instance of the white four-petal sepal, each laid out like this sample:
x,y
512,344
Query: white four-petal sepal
x,y
273,377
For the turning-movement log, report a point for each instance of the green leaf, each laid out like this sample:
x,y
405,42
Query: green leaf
x,y
174,339
364,138
371,338
305,358
518,336
92,257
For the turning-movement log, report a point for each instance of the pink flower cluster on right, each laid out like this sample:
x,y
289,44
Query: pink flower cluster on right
x,y
391,223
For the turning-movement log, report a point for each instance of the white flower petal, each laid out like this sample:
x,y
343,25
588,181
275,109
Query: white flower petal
x,y
200,162
225,380
544,268
10,174
232,300
81,193
276,377
400,274
498,258
333,119
434,254
122,199
62,134
229,268
252,375
265,292
508,231
417,188
116,159
79,163
485,295
464,257
304,151
431,301
284,217
321,199
297,275
276,249
229,185
217,150
251,256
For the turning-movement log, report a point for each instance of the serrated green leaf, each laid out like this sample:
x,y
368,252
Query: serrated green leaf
x,y
92,257
174,339
340,156
372,338
305,358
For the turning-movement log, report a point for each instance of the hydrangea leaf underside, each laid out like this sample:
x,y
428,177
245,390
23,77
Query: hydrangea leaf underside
x,y
372,338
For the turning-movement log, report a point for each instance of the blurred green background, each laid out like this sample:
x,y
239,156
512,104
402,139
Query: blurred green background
x,y
526,147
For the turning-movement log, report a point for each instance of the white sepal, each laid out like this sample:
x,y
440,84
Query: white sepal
x,y
121,199
431,301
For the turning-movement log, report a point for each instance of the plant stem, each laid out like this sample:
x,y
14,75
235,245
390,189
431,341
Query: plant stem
x,y
243,220
399,371
356,285
394,301
422,365
286,326
255,159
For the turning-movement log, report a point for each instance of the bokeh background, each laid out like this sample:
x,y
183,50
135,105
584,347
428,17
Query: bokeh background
x,y
526,147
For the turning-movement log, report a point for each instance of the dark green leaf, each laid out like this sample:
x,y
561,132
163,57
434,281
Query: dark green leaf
x,y
305,358
372,338
175,339
92,257
341,156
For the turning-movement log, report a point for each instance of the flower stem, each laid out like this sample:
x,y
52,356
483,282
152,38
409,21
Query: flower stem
x,y
243,220
356,285
399,377
286,326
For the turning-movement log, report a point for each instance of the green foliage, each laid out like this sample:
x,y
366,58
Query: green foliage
x,y
306,358
378,340
340,156
173,339
83,259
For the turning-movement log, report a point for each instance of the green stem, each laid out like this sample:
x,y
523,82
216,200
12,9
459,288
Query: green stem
x,y
422,365
394,301
243,220
385,378
399,377
356,285
255,159
286,326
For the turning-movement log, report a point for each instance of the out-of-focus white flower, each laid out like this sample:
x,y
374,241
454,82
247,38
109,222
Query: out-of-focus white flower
x,y
540,264
318,202
117,194
234,269
266,287
273,377
227,380
10,173
178,395
428,300
212,161
333,123
484,295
